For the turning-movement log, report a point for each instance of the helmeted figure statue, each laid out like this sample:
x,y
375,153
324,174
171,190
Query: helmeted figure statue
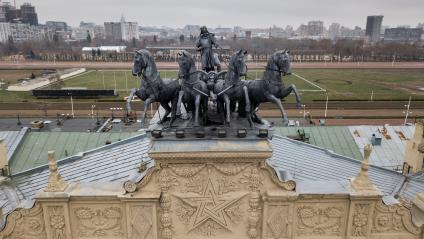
x,y
204,44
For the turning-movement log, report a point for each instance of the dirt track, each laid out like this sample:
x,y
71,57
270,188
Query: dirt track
x,y
174,65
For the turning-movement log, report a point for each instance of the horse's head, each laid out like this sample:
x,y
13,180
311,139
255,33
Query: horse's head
x,y
238,64
140,62
185,62
282,60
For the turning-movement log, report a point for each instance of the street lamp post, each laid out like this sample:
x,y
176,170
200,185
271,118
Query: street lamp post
x,y
112,109
326,107
19,120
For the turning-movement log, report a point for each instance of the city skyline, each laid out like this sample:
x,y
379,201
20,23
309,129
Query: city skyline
x,y
223,13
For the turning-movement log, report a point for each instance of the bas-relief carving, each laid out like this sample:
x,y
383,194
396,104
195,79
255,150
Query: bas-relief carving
x,y
395,220
360,221
97,221
142,222
326,219
210,212
56,222
209,199
25,224
278,221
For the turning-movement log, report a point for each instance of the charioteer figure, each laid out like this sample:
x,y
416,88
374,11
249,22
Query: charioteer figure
x,y
205,43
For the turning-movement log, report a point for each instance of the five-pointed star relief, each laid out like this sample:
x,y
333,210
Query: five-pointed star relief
x,y
210,206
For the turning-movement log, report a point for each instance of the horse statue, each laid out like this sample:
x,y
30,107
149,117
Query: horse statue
x,y
152,87
194,91
232,89
271,88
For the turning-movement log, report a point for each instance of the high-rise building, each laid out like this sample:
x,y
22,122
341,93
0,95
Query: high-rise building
x,y
302,30
3,11
248,34
315,28
88,28
403,34
113,30
4,31
57,26
373,28
28,14
122,30
334,30
20,32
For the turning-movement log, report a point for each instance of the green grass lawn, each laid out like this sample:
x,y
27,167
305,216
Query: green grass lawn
x,y
341,84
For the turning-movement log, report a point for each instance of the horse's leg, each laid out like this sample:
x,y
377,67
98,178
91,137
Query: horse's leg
x,y
129,100
205,110
147,102
221,112
248,107
277,101
173,111
255,117
292,88
180,97
196,106
167,111
228,108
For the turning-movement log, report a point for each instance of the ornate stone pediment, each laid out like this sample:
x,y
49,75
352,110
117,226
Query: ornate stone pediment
x,y
225,191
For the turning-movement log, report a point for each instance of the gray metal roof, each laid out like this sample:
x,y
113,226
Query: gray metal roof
x,y
413,185
390,154
308,162
114,162
10,198
12,140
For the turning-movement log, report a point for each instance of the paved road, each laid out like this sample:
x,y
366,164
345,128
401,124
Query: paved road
x,y
174,65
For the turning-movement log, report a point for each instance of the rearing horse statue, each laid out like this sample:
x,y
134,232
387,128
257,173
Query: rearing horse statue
x,y
152,87
271,87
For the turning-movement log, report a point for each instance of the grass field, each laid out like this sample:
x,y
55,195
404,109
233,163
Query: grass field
x,y
340,84
13,76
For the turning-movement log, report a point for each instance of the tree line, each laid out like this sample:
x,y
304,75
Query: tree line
x,y
259,48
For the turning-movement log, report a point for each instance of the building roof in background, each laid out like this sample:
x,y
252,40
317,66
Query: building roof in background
x,y
335,138
35,145
390,154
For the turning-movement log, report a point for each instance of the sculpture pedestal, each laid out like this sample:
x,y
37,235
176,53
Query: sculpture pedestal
x,y
213,188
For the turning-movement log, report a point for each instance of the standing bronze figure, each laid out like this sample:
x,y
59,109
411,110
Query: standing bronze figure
x,y
205,43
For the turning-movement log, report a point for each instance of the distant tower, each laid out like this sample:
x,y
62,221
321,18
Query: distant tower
x,y
373,29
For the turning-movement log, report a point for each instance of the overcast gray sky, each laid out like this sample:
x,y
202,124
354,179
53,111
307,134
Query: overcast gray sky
x,y
229,13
